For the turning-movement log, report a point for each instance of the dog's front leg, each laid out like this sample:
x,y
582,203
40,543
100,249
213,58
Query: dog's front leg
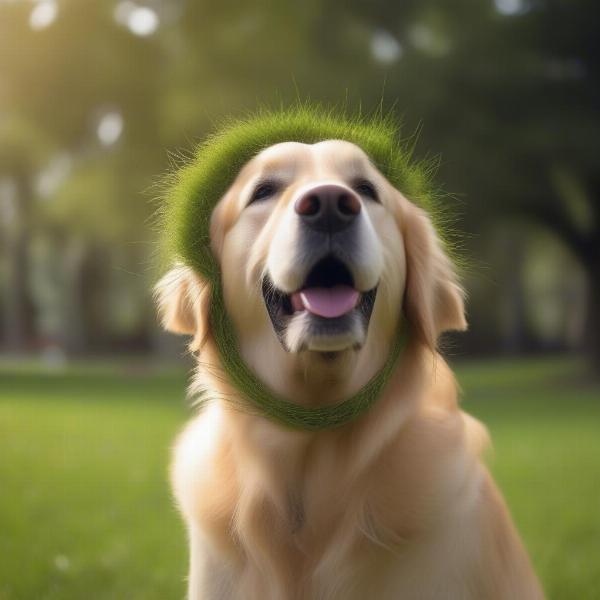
x,y
210,577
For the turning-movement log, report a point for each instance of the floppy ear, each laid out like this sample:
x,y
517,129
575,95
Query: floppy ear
x,y
183,300
434,300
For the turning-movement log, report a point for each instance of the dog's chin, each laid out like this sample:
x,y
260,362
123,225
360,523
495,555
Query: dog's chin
x,y
301,329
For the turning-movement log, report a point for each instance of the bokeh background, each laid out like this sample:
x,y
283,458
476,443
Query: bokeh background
x,y
98,98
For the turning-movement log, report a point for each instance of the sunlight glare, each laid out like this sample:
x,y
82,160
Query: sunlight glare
x,y
43,14
510,7
53,175
385,48
110,127
140,20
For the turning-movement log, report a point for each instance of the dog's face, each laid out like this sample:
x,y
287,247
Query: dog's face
x,y
305,236
319,255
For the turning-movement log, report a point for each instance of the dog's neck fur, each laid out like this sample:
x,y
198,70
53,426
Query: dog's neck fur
x,y
273,482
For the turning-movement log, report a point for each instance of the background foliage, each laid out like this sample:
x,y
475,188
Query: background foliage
x,y
94,96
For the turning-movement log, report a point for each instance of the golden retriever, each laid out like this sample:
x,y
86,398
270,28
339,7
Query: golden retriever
x,y
396,504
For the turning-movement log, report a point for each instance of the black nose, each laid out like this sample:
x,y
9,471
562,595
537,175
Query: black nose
x,y
328,207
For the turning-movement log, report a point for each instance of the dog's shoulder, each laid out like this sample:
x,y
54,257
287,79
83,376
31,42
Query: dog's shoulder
x,y
441,410
203,472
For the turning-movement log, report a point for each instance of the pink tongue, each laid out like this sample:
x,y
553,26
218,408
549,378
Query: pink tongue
x,y
327,302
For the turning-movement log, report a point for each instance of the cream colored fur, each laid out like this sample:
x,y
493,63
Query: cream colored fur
x,y
395,505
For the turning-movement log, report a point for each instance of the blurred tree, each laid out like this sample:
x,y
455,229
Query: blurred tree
x,y
536,111
507,91
22,151
92,88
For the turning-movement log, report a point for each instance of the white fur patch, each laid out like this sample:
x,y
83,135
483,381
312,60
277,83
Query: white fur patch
x,y
298,337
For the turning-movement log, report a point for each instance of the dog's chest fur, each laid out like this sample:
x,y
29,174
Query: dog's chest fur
x,y
286,514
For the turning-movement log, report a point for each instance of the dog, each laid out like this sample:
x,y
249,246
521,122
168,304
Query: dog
x,y
322,261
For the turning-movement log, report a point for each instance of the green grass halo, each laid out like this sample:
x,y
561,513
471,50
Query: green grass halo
x,y
195,189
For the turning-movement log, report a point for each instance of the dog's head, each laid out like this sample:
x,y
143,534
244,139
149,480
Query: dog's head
x,y
320,257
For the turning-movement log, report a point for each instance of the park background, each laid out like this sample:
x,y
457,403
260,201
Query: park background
x,y
97,101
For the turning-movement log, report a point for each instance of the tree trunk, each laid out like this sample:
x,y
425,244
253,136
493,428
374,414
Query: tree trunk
x,y
19,313
517,335
85,304
73,328
593,313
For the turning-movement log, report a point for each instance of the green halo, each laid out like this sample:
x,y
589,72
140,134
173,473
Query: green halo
x,y
195,189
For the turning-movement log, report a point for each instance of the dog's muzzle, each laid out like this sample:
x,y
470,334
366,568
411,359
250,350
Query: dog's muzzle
x,y
326,313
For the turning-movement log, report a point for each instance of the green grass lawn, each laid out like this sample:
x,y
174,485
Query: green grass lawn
x,y
85,511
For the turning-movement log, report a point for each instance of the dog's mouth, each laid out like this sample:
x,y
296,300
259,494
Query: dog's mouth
x,y
327,313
